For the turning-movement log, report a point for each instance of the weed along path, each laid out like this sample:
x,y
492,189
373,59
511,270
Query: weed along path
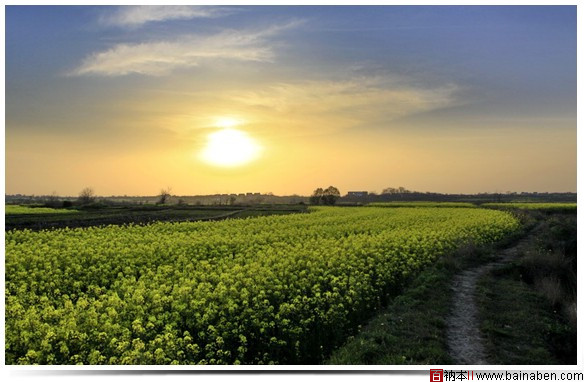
x,y
465,344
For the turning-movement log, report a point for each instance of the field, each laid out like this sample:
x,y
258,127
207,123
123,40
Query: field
x,y
274,289
568,207
26,210
269,188
524,293
422,204
21,217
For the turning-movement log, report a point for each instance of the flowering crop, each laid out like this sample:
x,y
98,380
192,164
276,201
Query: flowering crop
x,y
276,289
422,204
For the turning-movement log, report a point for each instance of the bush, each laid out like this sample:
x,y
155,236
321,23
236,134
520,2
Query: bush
x,y
86,196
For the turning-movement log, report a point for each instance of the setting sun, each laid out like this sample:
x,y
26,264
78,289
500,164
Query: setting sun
x,y
257,185
230,147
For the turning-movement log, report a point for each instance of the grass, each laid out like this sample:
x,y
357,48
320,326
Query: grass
x,y
549,264
528,307
519,325
11,209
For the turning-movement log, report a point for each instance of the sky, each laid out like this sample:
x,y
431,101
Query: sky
x,y
284,99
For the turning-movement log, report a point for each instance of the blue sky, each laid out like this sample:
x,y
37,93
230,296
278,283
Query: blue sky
x,y
372,86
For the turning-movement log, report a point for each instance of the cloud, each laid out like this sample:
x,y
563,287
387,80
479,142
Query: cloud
x,y
162,57
351,102
138,15
300,107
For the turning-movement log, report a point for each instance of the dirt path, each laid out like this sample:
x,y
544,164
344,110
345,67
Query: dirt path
x,y
465,343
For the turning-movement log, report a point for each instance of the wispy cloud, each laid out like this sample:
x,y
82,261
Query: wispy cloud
x,y
351,102
137,15
161,57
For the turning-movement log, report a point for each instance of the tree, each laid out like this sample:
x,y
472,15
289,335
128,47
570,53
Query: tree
x,y
316,197
330,196
327,197
393,191
86,196
164,195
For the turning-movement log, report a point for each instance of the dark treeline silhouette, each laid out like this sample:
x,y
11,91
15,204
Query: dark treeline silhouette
x,y
352,197
402,195
162,198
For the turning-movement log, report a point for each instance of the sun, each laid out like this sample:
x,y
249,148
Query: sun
x,y
230,147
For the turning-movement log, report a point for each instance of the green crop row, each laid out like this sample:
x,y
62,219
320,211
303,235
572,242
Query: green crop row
x,y
277,289
422,204
534,206
11,209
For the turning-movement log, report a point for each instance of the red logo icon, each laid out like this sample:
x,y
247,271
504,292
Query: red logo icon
x,y
436,375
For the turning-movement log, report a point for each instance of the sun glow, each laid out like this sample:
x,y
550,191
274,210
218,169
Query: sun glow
x,y
227,122
230,147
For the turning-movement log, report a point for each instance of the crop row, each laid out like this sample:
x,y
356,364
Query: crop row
x,y
422,204
534,206
11,209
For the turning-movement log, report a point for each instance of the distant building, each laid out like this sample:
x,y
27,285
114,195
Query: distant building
x,y
357,193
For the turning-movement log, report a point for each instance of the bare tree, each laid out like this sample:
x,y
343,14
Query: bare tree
x,y
164,195
86,196
389,190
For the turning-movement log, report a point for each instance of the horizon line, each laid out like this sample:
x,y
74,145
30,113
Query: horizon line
x,y
369,193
